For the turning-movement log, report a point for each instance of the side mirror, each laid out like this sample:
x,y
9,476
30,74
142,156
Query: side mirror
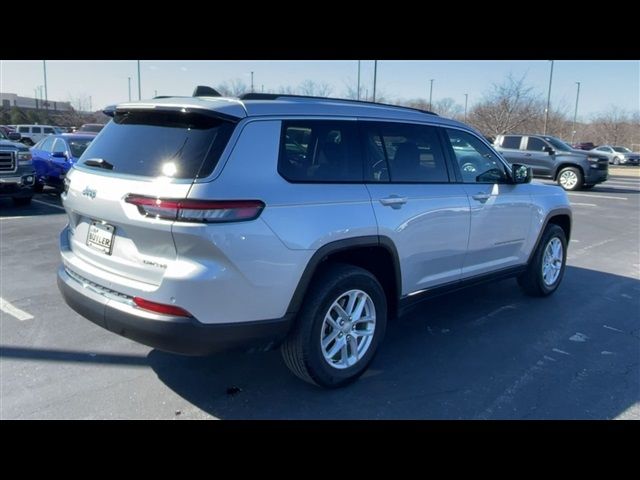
x,y
549,150
14,136
521,173
59,154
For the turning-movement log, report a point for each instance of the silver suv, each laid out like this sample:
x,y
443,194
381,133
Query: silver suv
x,y
203,223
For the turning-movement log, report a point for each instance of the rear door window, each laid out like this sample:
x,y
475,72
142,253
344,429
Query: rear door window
x,y
404,153
48,130
511,141
36,130
161,143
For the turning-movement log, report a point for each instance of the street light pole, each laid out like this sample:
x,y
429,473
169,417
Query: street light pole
x,y
358,94
251,82
575,113
546,113
430,92
129,81
46,96
375,76
139,83
466,99
90,102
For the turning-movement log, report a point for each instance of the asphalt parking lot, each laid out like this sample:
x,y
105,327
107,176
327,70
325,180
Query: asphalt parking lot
x,y
485,353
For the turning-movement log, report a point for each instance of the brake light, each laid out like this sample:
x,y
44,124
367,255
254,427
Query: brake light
x,y
161,307
204,211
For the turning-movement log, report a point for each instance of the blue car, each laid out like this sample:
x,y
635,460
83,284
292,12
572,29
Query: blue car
x,y
54,155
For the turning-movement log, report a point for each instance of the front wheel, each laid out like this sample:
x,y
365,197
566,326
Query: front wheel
x,y
570,178
546,269
339,328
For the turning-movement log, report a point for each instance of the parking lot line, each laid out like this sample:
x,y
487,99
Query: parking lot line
x,y
11,218
48,204
595,195
15,312
584,204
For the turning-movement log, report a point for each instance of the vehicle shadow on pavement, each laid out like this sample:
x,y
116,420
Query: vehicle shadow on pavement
x,y
487,352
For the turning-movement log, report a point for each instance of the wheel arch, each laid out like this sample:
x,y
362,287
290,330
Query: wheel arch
x,y
375,253
558,216
564,165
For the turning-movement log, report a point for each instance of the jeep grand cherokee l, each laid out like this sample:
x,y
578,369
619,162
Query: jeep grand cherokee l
x,y
207,223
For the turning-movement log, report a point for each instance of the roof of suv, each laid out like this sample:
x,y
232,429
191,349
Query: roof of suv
x,y
255,105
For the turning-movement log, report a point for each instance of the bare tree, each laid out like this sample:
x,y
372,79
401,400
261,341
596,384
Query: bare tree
x,y
233,88
506,108
447,107
309,87
614,126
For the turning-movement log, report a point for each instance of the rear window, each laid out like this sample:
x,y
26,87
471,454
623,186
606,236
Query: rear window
x,y
78,146
160,143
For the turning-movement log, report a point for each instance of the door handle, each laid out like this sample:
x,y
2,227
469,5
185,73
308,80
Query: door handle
x,y
393,201
481,197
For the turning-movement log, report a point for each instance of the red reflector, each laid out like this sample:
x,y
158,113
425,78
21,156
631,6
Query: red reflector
x,y
161,307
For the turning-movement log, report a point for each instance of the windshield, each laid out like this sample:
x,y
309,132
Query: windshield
x,y
622,149
161,143
78,146
3,136
558,144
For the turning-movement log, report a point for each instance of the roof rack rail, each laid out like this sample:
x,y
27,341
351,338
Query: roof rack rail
x,y
275,96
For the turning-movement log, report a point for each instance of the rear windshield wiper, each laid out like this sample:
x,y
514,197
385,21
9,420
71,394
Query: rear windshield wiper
x,y
98,162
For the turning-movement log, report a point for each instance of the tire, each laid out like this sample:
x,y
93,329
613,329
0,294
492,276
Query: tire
x,y
587,187
532,281
616,161
571,177
302,350
22,201
38,187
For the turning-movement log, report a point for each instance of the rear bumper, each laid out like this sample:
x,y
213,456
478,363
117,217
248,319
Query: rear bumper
x,y
181,335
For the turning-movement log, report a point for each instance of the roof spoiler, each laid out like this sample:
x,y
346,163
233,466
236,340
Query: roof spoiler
x,y
204,91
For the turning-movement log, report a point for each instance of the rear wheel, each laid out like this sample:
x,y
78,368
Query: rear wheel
x,y
616,161
546,269
339,328
570,178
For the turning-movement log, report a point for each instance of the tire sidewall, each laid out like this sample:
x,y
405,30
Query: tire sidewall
x,y
323,373
578,184
553,232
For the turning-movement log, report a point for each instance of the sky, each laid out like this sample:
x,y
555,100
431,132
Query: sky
x,y
603,83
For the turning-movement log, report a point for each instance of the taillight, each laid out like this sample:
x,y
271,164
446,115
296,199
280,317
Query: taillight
x,y
205,211
160,307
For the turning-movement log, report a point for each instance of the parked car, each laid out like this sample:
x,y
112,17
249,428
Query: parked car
x,y
204,224
91,128
553,159
54,155
618,155
16,171
10,133
584,146
32,134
